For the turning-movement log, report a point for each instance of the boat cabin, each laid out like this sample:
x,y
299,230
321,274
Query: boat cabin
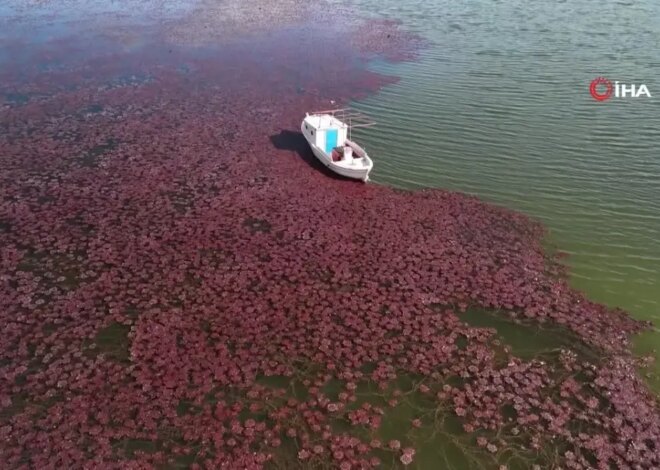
x,y
325,131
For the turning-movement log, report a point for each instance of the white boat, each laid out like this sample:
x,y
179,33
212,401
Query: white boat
x,y
329,138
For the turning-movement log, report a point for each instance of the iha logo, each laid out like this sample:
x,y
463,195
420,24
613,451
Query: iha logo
x,y
602,89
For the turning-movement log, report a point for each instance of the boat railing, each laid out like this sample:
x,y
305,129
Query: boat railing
x,y
352,117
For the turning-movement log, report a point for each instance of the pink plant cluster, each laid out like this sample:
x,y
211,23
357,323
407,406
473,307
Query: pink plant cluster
x,y
162,259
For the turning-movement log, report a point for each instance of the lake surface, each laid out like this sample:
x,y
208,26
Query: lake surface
x,y
499,106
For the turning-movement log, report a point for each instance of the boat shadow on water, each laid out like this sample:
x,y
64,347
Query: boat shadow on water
x,y
294,141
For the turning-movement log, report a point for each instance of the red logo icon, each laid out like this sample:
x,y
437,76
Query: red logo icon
x,y
600,82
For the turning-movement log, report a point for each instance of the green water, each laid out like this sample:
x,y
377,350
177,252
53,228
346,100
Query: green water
x,y
440,439
498,105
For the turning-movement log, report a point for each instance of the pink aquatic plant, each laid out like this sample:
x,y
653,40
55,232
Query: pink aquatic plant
x,y
169,253
394,444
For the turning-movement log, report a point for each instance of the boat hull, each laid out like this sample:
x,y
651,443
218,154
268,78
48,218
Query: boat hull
x,y
353,173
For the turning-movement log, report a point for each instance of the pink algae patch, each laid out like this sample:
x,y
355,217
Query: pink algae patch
x,y
169,243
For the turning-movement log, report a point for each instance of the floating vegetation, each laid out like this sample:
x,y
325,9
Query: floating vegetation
x,y
171,307
129,80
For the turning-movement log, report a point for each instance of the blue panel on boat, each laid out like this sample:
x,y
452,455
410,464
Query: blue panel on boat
x,y
330,140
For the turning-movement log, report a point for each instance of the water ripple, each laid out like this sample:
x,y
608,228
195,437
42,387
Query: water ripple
x,y
499,106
